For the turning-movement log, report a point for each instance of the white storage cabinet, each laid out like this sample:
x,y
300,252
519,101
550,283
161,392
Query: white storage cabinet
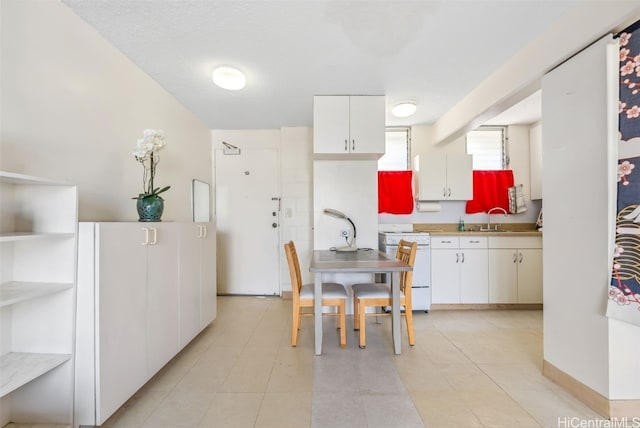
x,y
141,301
444,177
38,244
459,269
515,269
198,283
348,125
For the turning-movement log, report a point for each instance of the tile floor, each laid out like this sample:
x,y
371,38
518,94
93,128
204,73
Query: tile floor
x,y
467,369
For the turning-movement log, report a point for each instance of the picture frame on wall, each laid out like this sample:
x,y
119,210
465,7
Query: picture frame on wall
x,y
201,201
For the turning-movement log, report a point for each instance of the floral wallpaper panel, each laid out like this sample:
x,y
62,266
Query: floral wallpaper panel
x,y
624,290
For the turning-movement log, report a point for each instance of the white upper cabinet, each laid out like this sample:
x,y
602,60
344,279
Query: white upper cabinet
x,y
348,125
444,177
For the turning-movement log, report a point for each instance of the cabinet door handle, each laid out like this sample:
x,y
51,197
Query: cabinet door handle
x,y
146,236
353,145
204,231
449,194
445,242
457,257
462,258
346,145
515,257
444,192
155,236
520,259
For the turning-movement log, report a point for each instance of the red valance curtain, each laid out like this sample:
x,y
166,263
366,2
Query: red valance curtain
x,y
490,189
395,193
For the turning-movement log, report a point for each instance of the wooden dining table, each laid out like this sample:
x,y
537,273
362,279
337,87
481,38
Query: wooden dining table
x,y
361,261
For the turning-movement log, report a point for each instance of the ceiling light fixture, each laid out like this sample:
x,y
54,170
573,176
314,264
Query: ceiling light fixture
x,y
404,109
228,77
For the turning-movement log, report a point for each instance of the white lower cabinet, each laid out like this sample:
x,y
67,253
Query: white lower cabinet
x,y
137,308
459,269
515,269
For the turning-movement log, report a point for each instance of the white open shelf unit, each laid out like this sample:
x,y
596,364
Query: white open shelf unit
x,y
38,252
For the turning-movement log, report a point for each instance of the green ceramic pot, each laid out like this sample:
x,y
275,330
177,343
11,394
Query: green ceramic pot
x,y
150,209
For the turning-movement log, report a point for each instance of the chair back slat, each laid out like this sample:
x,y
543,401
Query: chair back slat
x,y
294,269
407,253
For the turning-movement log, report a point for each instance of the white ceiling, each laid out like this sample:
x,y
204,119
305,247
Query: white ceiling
x,y
433,52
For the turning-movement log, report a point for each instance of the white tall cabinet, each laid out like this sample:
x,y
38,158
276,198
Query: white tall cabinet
x,y
38,244
145,291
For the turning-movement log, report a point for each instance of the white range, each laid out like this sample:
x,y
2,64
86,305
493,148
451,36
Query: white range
x,y
421,285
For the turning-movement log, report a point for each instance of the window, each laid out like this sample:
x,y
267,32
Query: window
x,y
397,150
488,145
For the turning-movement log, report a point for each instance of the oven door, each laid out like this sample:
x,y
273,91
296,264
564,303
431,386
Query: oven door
x,y
421,283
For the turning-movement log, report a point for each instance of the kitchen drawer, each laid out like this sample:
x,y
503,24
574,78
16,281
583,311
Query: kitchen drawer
x,y
473,242
445,242
515,242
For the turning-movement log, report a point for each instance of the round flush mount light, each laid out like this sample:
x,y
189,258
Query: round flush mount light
x,y
404,109
228,77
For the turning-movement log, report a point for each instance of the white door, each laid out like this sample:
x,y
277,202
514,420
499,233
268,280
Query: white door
x,y
331,124
474,276
530,276
366,124
122,315
445,275
459,177
247,215
163,294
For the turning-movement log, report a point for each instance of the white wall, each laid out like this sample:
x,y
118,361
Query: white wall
x,y
73,106
535,160
518,147
350,187
297,198
578,182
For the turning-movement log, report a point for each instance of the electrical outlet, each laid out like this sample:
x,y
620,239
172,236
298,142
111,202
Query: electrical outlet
x,y
344,233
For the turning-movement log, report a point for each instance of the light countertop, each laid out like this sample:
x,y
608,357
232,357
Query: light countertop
x,y
504,229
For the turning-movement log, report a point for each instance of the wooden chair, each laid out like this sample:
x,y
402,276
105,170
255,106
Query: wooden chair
x,y
333,294
365,295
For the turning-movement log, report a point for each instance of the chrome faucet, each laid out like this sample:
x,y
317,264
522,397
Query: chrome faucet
x,y
489,217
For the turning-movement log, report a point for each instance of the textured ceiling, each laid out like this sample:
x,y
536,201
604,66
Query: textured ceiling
x,y
433,52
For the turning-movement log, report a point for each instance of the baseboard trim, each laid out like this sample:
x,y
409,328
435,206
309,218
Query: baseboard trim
x,y
287,295
598,403
484,306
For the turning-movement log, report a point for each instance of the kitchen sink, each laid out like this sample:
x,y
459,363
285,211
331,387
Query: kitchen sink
x,y
499,231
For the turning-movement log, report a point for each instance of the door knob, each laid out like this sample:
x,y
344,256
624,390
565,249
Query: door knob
x,y
274,225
